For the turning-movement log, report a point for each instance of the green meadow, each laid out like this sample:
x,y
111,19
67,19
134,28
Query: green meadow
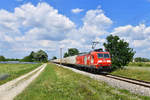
x,y
140,71
15,70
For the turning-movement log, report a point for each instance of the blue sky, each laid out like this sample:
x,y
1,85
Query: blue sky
x,y
122,12
72,23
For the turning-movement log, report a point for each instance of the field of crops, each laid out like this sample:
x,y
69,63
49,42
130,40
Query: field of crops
x,y
12,71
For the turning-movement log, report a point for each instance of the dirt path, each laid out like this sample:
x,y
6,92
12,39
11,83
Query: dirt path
x,y
11,89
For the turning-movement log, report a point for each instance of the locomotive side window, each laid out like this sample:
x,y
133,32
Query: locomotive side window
x,y
100,55
106,55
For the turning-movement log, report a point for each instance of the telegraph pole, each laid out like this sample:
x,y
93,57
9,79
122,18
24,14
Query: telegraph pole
x,y
60,56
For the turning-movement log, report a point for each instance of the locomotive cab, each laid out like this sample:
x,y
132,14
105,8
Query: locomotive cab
x,y
102,60
97,59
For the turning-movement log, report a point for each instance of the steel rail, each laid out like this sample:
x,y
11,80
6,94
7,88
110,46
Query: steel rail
x,y
129,80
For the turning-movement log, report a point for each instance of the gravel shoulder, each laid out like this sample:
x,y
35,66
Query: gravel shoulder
x,y
11,89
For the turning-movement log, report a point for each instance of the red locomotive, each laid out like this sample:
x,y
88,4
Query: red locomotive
x,y
97,59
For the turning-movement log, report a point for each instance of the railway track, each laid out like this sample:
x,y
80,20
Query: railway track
x,y
125,79
121,78
129,80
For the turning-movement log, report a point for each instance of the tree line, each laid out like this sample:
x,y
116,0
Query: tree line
x,y
2,58
140,59
39,56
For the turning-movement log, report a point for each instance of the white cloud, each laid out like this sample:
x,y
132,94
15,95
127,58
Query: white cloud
x,y
5,38
138,37
48,26
8,23
40,22
95,23
30,28
140,43
77,10
139,32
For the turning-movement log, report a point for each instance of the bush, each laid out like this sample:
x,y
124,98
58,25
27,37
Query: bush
x,y
39,56
140,64
2,58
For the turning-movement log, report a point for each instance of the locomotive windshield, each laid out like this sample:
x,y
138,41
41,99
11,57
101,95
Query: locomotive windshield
x,y
100,55
106,55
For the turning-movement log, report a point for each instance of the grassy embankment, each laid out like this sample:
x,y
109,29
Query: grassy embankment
x,y
15,70
140,71
57,83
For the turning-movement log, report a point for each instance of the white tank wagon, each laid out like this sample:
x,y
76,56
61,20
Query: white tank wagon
x,y
67,60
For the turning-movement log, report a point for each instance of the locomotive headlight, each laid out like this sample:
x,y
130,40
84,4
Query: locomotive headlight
x,y
99,61
108,61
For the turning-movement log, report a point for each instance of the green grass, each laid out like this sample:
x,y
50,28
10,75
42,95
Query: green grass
x,y
15,70
139,64
57,83
135,72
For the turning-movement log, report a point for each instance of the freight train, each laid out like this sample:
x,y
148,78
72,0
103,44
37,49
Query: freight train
x,y
97,60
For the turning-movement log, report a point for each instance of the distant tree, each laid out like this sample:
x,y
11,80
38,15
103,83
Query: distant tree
x,y
66,55
32,55
12,59
71,52
2,58
140,59
27,59
120,51
40,56
54,57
